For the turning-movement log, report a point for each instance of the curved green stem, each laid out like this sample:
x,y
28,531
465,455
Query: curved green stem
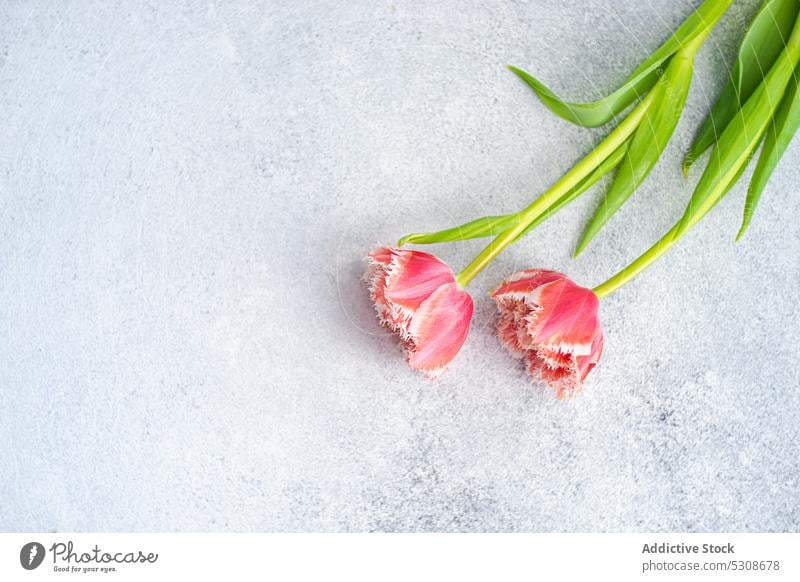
x,y
639,265
569,180
728,160
659,248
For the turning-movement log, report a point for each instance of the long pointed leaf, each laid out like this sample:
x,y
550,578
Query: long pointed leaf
x,y
604,168
760,46
648,142
478,228
494,225
639,82
777,139
737,143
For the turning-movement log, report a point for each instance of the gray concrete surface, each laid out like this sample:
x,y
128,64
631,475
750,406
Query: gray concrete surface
x,y
186,194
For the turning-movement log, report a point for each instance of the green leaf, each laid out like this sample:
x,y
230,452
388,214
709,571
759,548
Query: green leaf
x,y
777,139
648,142
639,82
737,143
604,168
478,228
760,46
494,225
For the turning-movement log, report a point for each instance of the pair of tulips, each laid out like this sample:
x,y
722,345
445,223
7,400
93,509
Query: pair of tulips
x,y
545,318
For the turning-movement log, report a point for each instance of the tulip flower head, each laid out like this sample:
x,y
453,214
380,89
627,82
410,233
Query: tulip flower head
x,y
416,296
551,323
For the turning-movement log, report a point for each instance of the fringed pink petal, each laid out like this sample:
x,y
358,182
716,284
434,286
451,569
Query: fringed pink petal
x,y
507,332
568,319
415,296
439,329
523,282
553,324
558,372
556,359
587,363
413,276
400,280
376,277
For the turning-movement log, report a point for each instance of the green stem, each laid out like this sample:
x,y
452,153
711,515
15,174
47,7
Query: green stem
x,y
639,265
665,242
788,61
569,180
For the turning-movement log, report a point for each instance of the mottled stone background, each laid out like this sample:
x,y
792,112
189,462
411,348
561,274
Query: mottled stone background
x,y
186,194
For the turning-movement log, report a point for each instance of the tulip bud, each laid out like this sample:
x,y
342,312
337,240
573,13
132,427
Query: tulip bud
x,y
552,324
416,297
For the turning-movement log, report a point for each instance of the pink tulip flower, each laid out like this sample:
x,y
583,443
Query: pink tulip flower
x,y
551,323
416,296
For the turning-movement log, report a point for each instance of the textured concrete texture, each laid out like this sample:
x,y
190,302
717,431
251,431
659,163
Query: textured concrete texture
x,y
186,194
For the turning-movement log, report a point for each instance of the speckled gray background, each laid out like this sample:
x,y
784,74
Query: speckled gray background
x,y
186,194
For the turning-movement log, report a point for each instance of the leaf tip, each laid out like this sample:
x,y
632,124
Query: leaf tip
x,y
518,72
687,163
579,247
742,229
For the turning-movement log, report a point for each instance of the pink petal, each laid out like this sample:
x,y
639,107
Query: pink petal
x,y
523,282
568,319
508,333
376,276
551,322
439,328
586,364
413,276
